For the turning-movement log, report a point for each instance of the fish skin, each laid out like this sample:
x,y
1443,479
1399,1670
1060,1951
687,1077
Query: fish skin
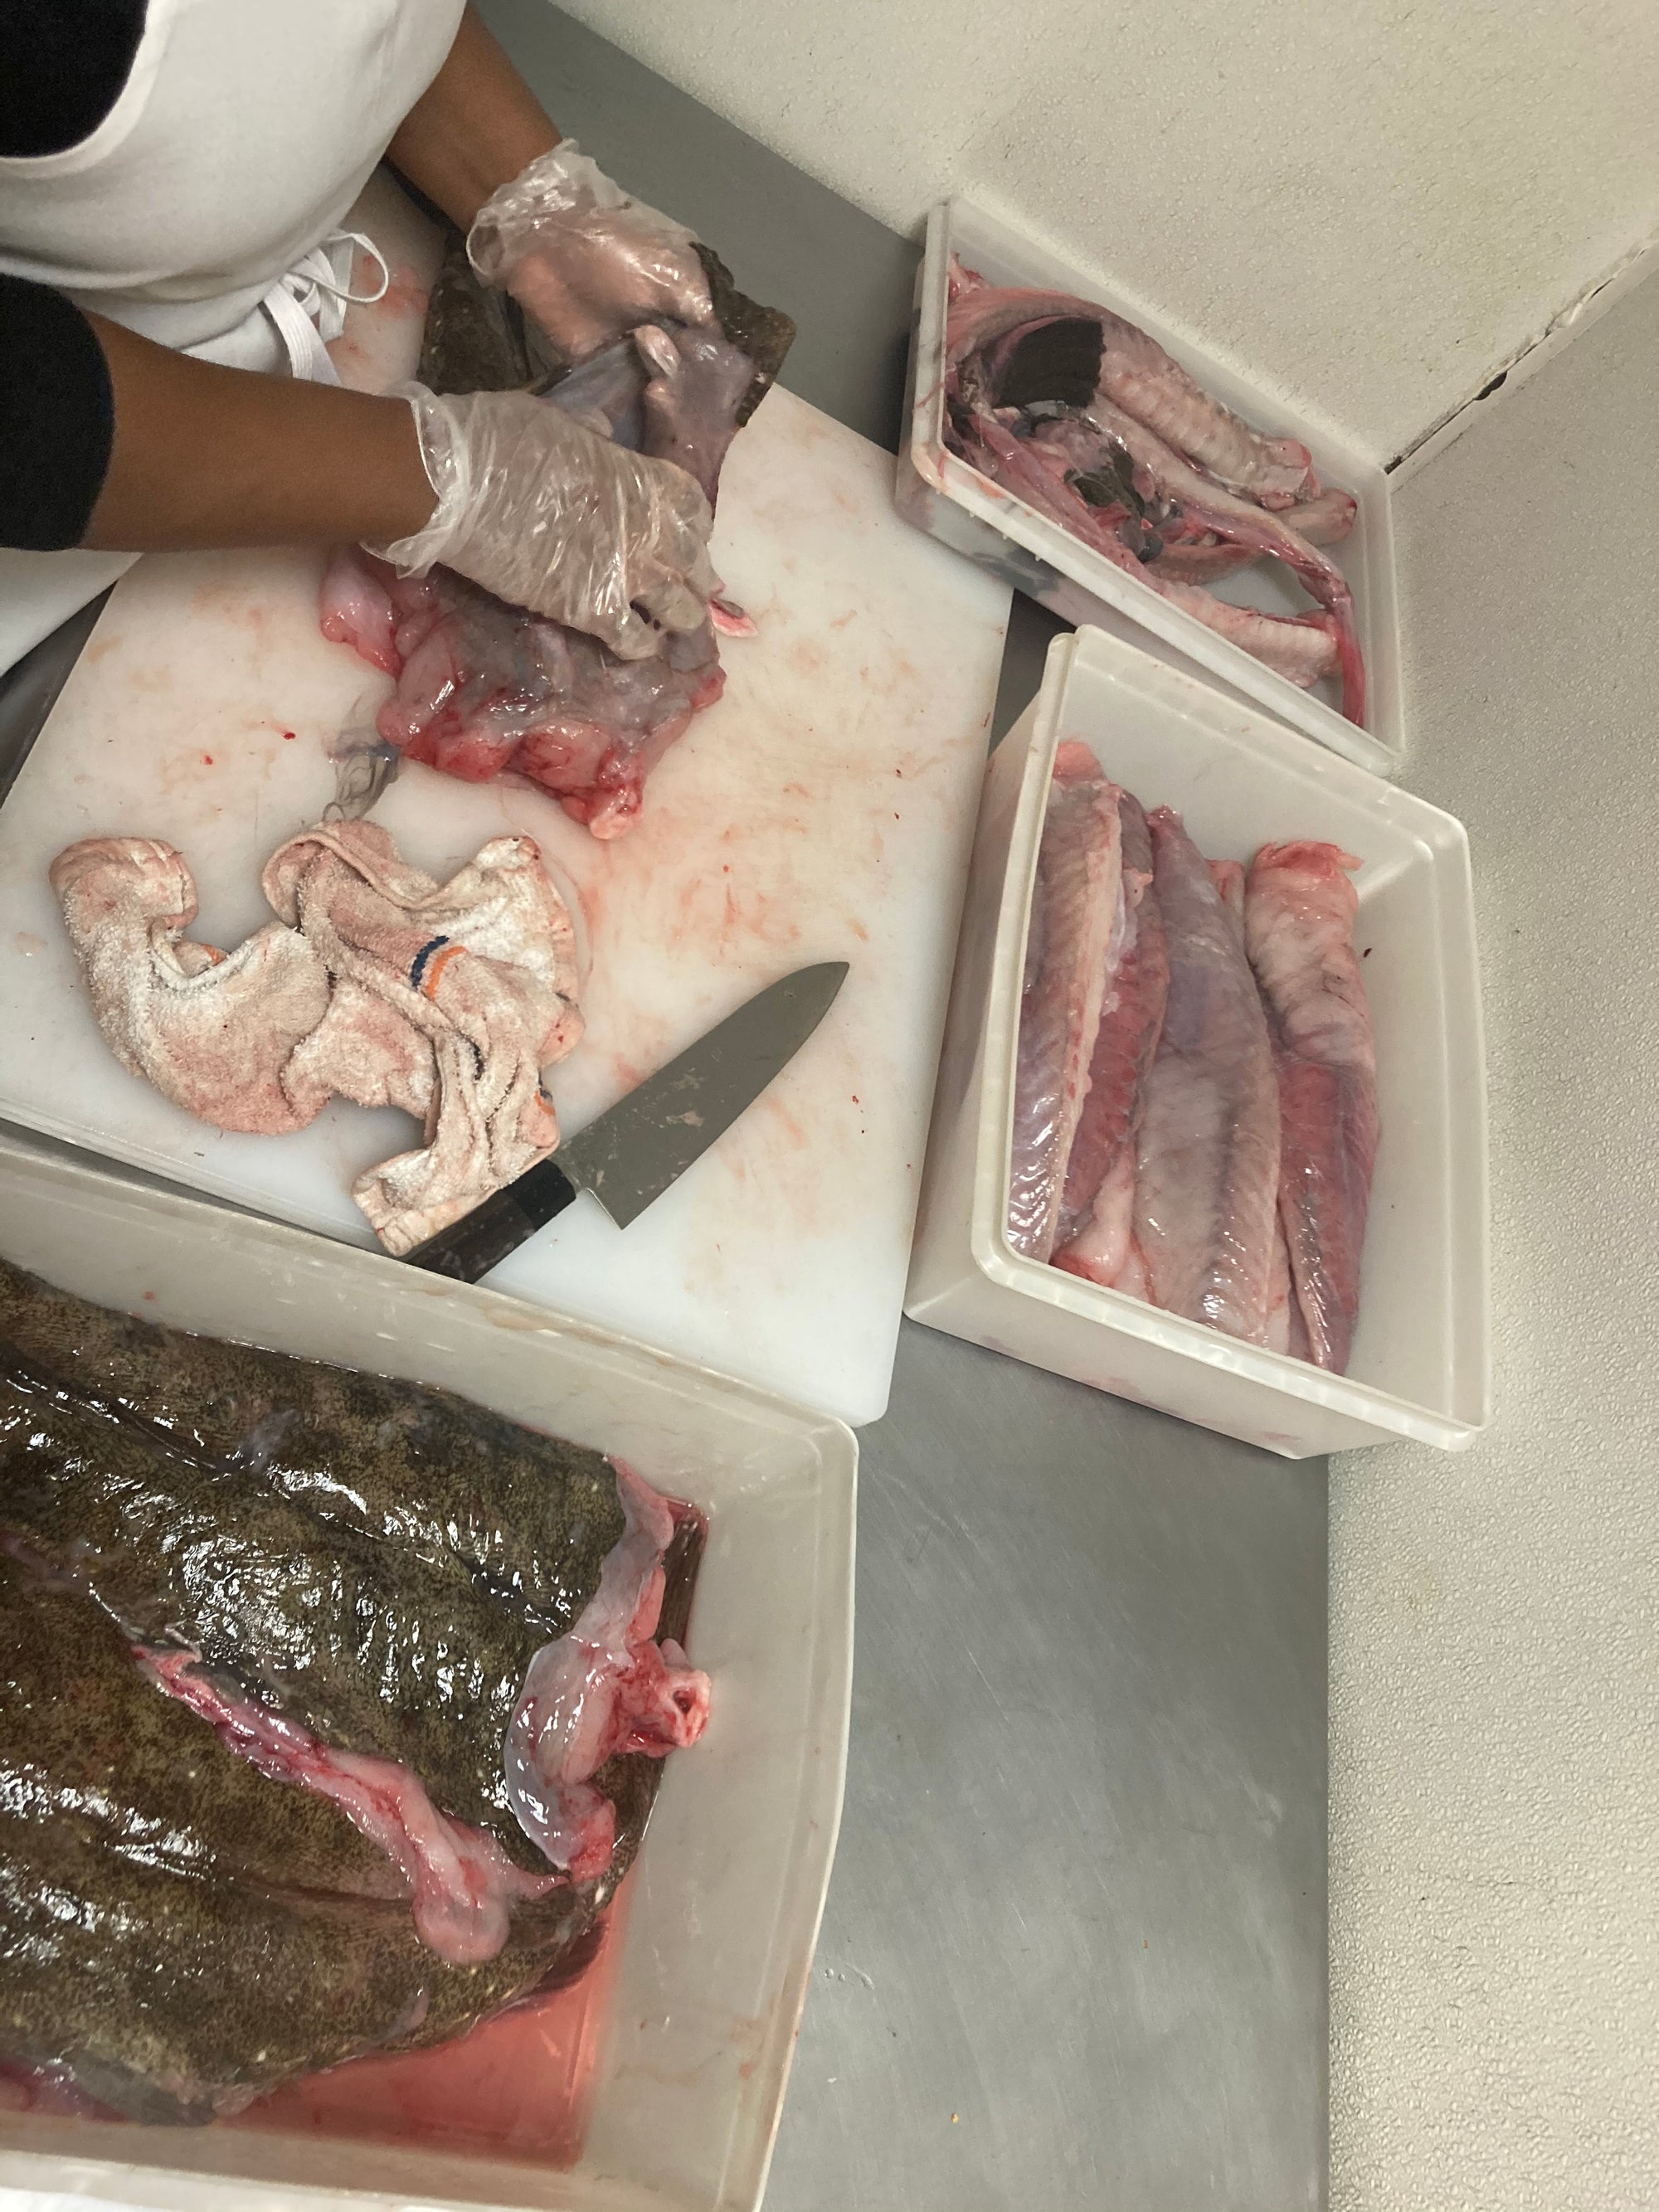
x,y
1300,909
1092,1238
378,1486
1077,907
178,1931
394,1460
1208,1153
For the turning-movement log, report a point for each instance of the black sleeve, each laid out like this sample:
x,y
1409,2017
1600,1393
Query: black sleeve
x,y
63,63
57,418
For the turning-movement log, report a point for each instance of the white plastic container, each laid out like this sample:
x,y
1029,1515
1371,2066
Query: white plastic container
x,y
717,1938
1419,1362
953,502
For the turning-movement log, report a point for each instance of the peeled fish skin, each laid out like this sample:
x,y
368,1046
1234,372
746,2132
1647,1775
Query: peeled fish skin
x,y
1300,909
1077,908
1209,1141
1103,1152
1139,375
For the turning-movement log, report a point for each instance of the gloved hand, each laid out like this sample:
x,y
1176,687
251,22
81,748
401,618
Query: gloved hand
x,y
537,509
584,260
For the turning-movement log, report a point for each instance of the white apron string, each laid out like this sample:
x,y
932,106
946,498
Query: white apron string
x,y
308,305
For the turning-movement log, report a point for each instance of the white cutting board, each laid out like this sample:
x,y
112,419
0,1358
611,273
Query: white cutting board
x,y
822,810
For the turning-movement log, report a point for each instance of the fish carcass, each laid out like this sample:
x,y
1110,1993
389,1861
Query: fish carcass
x,y
1091,422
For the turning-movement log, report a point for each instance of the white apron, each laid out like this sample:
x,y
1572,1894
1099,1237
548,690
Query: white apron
x,y
203,211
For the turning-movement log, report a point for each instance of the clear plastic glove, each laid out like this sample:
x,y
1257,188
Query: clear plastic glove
x,y
584,261
541,512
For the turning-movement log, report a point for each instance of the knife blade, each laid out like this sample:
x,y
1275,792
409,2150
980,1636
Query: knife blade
x,y
644,1143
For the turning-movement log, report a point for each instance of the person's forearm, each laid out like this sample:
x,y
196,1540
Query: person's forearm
x,y
206,457
472,130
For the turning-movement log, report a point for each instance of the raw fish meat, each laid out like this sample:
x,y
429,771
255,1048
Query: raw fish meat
x,y
1097,1232
1087,419
1228,876
1208,1169
223,1574
484,687
1135,371
1300,909
1077,917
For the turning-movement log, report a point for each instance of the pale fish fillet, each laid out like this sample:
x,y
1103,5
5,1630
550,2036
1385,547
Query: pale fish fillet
x,y
1209,1141
1228,876
1300,909
1096,1220
1076,909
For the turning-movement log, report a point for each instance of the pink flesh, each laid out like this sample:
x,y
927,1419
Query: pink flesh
x,y
727,619
1299,911
1302,649
1077,909
1213,508
465,1885
1132,1015
1208,1163
1195,555
1286,1330
1228,876
603,1688
1101,1249
1137,373
483,688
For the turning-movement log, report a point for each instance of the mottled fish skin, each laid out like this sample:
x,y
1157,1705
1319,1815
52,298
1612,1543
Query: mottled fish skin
x,y
179,1932
1097,1209
372,1647
531,1517
1209,1140
310,1490
1299,908
1076,909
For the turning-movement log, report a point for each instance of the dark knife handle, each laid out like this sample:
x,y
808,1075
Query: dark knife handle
x,y
480,1240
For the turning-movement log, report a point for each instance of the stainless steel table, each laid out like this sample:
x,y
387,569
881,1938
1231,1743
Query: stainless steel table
x,y
1074,1953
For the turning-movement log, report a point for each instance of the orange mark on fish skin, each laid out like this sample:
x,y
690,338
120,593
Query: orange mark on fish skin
x,y
28,944
840,622
860,932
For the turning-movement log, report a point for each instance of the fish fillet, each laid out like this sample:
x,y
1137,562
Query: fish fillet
x,y
1076,911
1209,1142
1299,908
1097,1224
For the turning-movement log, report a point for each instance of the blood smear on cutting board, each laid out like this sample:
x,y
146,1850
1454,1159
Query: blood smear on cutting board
x,y
517,2087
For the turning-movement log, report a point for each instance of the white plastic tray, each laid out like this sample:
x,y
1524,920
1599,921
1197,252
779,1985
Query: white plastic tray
x,y
1419,1362
726,1899
953,502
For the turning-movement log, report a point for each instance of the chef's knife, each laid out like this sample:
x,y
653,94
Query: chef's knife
x,y
647,1139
